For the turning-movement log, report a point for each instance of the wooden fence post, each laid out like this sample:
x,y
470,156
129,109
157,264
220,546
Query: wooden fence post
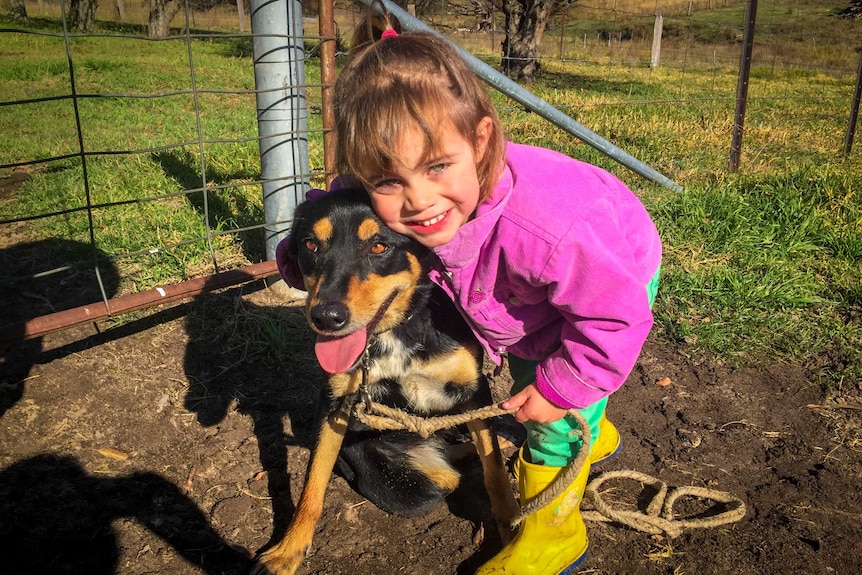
x,y
493,29
742,85
240,11
854,109
326,27
655,53
562,31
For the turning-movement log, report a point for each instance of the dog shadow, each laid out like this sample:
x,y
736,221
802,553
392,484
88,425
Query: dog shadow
x,y
75,534
255,358
40,278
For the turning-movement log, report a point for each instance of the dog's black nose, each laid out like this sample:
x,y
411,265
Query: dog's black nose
x,y
330,316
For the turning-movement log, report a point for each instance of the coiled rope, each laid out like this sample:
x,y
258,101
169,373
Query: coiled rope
x,y
659,515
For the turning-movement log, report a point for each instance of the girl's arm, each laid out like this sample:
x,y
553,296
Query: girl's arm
x,y
598,282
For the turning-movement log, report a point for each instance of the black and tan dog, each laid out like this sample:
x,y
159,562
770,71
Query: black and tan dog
x,y
380,321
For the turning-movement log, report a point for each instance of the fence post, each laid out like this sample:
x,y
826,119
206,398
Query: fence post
x,y
493,29
854,109
326,26
742,85
655,53
240,12
562,32
282,120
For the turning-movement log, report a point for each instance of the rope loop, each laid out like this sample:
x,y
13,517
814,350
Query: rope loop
x,y
659,517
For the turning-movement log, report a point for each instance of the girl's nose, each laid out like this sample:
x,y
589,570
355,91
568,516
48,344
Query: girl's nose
x,y
420,197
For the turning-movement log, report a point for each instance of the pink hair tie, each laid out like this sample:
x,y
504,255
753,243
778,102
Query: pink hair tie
x,y
389,33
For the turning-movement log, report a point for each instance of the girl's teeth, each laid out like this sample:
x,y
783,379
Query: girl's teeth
x,y
432,221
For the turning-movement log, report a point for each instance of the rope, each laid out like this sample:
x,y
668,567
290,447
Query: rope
x,y
565,478
651,521
659,516
383,417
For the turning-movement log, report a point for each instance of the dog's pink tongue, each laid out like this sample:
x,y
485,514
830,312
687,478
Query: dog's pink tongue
x,y
338,354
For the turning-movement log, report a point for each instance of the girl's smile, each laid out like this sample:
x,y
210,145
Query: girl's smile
x,y
429,226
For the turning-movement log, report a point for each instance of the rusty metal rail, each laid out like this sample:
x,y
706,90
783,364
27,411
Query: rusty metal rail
x,y
40,326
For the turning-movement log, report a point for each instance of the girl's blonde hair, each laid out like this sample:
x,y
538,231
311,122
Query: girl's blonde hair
x,y
405,82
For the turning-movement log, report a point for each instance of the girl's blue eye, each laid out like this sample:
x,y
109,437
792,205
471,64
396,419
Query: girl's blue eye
x,y
384,186
437,168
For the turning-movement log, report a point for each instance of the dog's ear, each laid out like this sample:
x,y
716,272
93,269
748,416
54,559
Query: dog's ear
x,y
288,264
287,250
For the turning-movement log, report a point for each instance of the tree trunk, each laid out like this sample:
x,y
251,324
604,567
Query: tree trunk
x,y
19,11
161,14
526,21
82,15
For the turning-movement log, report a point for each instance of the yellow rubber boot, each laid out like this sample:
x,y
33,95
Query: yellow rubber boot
x,y
551,541
608,444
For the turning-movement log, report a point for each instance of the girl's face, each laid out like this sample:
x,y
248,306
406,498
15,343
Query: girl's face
x,y
428,199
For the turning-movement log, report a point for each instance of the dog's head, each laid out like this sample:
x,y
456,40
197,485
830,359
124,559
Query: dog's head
x,y
361,277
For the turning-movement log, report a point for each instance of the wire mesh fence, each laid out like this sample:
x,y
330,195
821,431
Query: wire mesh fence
x,y
131,163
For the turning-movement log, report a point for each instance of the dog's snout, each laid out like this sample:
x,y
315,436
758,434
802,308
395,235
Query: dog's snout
x,y
330,316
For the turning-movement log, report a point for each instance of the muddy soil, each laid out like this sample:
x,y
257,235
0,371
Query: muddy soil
x,y
177,443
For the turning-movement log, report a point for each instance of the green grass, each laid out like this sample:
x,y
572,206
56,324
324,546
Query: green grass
x,y
764,263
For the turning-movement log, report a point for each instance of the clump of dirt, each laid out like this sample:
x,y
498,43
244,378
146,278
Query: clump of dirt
x,y
177,443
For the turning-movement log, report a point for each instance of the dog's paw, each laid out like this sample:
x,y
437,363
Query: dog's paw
x,y
280,560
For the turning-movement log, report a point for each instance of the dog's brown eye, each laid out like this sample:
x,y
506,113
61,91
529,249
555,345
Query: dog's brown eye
x,y
311,246
378,248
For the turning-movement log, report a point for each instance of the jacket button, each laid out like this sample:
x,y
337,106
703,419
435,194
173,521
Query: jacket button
x,y
515,300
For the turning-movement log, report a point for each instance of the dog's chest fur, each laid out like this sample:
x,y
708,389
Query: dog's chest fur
x,y
404,377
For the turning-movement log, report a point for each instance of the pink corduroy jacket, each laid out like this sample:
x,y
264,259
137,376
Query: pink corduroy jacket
x,y
554,267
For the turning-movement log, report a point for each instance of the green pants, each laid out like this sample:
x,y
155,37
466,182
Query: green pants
x,y
557,444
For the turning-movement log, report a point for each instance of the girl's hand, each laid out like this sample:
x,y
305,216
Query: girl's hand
x,y
533,406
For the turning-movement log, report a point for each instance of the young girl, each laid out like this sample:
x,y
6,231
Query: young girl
x,y
552,261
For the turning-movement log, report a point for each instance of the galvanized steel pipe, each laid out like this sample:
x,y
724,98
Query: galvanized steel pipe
x,y
279,78
532,102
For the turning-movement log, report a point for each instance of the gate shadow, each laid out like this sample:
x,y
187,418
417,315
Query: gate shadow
x,y
255,359
43,277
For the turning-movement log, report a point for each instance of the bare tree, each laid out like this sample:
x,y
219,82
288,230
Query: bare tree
x,y
480,10
161,14
82,15
18,10
526,21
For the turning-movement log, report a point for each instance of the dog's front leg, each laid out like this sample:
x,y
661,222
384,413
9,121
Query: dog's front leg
x,y
287,555
503,504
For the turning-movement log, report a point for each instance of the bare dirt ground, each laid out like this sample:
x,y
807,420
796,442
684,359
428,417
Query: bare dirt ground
x,y
177,443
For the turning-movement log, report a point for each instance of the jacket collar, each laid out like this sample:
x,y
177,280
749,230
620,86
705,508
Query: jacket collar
x,y
465,247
